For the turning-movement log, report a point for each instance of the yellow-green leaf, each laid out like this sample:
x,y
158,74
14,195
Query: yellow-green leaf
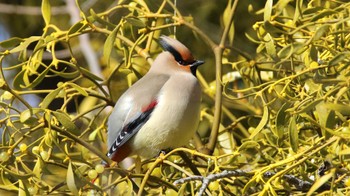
x,y
26,116
22,191
341,108
71,181
321,181
338,58
77,27
50,97
320,32
66,122
46,11
109,44
38,168
281,120
268,10
322,14
270,46
94,17
78,88
249,144
293,133
38,79
23,45
14,41
89,74
262,123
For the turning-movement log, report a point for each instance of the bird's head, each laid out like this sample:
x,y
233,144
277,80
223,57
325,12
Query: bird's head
x,y
181,54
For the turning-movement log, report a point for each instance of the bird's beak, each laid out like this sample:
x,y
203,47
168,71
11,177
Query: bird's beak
x,y
194,66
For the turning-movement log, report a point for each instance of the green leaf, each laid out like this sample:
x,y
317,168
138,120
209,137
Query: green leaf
x,y
109,44
308,107
313,53
78,88
12,42
249,144
50,97
226,20
26,117
270,28
293,134
281,120
312,10
290,49
38,168
46,11
23,45
66,122
135,22
18,80
270,46
38,79
320,32
341,108
89,74
22,191
71,181
345,151
268,10
322,15
262,122
100,20
321,181
338,58
77,27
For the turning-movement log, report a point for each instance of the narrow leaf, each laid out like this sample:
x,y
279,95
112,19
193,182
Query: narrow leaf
x,y
321,181
94,17
46,11
310,106
38,79
22,191
270,46
77,27
71,181
293,133
25,44
135,22
12,42
78,88
66,121
262,123
38,168
320,32
322,14
281,120
341,108
49,98
109,44
268,10
89,74
338,58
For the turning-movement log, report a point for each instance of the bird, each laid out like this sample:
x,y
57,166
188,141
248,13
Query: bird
x,y
160,111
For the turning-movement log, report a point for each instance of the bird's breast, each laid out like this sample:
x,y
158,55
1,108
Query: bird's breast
x,y
175,118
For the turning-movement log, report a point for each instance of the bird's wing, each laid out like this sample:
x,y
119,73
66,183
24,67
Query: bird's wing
x,y
131,112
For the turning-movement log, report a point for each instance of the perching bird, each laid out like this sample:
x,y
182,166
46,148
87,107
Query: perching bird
x,y
161,110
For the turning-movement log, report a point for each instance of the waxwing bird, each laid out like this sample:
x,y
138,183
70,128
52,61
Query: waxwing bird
x,y
161,110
